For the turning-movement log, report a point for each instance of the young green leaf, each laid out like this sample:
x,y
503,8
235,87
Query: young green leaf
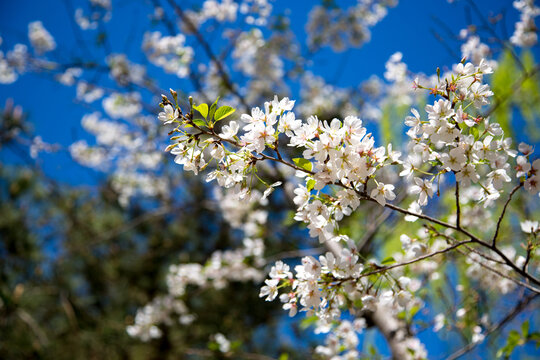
x,y
213,109
310,184
303,163
199,122
203,109
474,132
223,111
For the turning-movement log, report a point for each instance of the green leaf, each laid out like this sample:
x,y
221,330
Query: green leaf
x,y
501,80
213,109
389,260
303,163
307,322
223,111
310,184
199,122
372,350
391,130
474,132
525,329
203,109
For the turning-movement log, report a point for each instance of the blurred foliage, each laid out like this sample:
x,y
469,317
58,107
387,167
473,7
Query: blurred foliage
x,y
517,94
75,266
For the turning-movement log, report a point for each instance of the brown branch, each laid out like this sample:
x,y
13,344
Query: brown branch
x,y
501,274
294,254
494,240
458,209
382,269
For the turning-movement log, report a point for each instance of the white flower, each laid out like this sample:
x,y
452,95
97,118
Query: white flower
x,y
439,322
168,115
440,110
424,188
497,178
529,227
525,149
467,174
288,124
477,335
270,190
455,159
414,208
283,105
280,270
413,122
224,344
229,131
532,185
523,166
270,289
302,196
382,193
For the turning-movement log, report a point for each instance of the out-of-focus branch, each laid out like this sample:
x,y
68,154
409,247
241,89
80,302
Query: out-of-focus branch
x,y
209,52
241,355
520,306
515,88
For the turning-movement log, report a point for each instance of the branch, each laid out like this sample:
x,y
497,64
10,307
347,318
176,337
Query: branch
x,y
208,50
512,314
458,209
363,196
381,269
294,254
494,240
515,88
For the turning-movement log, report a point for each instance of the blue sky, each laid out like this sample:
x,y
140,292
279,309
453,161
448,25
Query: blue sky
x,y
408,28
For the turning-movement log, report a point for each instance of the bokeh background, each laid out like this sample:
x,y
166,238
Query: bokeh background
x,y
77,261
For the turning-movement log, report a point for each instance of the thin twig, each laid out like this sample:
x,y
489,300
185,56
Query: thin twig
x,y
512,314
409,262
458,209
494,240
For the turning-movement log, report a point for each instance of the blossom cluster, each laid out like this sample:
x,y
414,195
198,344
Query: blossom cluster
x,y
243,264
525,33
13,63
342,343
252,12
135,161
334,152
222,267
40,38
457,138
168,52
340,28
